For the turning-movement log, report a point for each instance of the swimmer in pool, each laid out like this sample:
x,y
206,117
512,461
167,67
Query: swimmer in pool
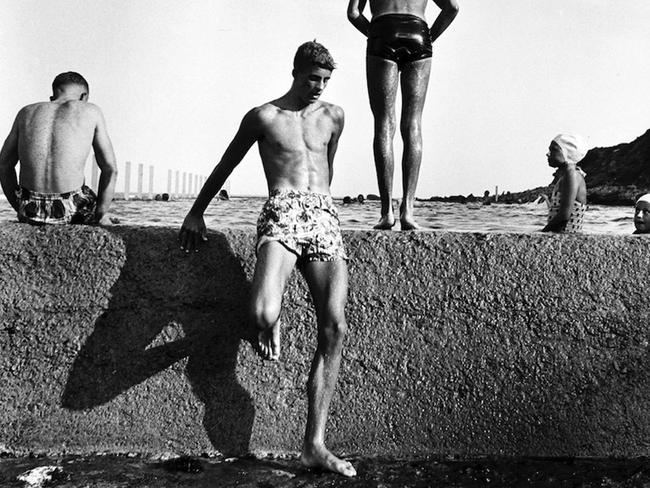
x,y
52,141
568,202
297,136
398,50
642,215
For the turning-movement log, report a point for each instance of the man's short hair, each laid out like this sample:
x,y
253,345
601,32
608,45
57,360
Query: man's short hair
x,y
68,78
312,54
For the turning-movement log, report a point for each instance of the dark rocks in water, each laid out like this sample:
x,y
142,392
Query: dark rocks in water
x,y
449,199
360,198
347,200
615,195
373,197
165,197
223,195
526,196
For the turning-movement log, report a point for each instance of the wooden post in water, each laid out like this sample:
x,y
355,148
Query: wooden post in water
x,y
127,179
94,174
496,193
176,194
184,194
140,176
150,182
169,183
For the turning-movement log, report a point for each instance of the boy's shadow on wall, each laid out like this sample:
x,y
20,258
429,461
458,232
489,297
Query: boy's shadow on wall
x,y
166,307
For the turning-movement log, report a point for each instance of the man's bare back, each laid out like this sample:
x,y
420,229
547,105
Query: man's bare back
x,y
293,145
382,7
54,140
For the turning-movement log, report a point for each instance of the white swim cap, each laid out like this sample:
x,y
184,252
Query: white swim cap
x,y
644,198
572,146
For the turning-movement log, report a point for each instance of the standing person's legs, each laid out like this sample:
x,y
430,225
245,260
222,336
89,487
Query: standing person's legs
x,y
272,270
382,77
415,81
328,284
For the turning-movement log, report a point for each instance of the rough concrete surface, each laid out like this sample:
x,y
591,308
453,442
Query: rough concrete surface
x,y
466,344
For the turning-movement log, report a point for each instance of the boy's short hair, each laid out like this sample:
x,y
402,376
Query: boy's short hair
x,y
312,54
68,78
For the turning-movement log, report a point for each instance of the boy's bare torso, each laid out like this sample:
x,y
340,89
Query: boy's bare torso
x,y
54,140
294,145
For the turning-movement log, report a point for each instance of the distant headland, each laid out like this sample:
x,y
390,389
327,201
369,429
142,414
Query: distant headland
x,y
616,175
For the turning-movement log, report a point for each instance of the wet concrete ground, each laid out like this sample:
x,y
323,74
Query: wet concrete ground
x,y
125,471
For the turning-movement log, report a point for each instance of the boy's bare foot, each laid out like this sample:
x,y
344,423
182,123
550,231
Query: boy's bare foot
x,y
406,218
268,341
321,458
386,222
408,223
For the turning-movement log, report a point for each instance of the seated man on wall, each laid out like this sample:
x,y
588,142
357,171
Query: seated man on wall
x,y
568,202
52,141
297,136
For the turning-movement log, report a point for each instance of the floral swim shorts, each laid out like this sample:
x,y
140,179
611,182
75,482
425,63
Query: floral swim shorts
x,y
73,207
306,223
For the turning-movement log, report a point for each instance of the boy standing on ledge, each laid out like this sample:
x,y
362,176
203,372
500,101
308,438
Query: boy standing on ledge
x,y
398,52
52,140
297,135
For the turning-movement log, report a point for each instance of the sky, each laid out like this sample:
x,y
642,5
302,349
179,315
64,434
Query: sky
x,y
175,77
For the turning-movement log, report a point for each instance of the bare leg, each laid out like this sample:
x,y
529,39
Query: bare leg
x,y
382,76
272,270
414,80
328,283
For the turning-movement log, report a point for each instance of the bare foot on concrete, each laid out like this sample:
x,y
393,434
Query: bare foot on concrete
x,y
408,223
406,218
321,458
386,222
268,341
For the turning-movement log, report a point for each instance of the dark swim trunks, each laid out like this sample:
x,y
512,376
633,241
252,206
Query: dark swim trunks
x,y
73,207
402,38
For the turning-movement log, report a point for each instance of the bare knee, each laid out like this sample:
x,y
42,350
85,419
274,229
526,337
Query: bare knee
x,y
411,131
265,314
385,126
332,332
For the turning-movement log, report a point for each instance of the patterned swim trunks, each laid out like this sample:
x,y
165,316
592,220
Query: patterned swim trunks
x,y
306,223
73,207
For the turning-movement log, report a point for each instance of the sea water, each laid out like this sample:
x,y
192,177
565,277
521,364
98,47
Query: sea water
x,y
242,213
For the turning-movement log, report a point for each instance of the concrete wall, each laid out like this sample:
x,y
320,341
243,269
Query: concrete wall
x,y
459,344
